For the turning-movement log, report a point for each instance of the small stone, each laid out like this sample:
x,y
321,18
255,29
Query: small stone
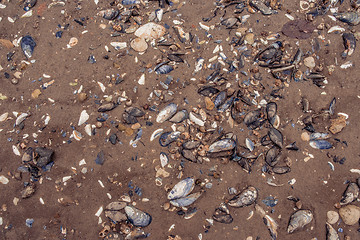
x,y
250,38
136,126
350,214
337,124
121,127
28,191
241,31
82,97
305,136
102,26
36,93
332,217
309,62
166,206
4,180
129,131
209,104
98,124
14,81
100,159
113,139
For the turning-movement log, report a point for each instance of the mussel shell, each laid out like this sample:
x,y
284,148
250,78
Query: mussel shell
x,y
222,217
27,45
109,14
28,155
276,137
260,6
134,111
185,201
179,116
229,22
245,198
220,99
166,113
331,233
351,18
272,226
168,137
222,145
226,105
189,155
351,194
107,107
281,169
129,119
271,156
299,220
182,188
163,69
320,144
189,145
44,156
28,4
137,217
271,110
175,58
208,91
251,117
349,44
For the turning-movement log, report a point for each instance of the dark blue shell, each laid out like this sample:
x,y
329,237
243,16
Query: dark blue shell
x,y
27,45
320,144
168,137
220,99
163,69
226,104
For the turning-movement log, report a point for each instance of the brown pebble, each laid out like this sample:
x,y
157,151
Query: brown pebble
x,y
98,124
136,126
166,206
82,97
129,131
121,127
35,94
14,81
209,104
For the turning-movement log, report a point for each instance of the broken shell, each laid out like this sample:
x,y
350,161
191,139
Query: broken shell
x,y
168,137
222,216
27,45
351,194
84,116
272,226
112,211
320,144
182,188
299,220
245,198
156,134
331,233
109,14
179,116
137,217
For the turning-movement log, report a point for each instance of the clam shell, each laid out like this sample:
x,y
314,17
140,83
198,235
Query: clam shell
x,y
139,44
150,31
137,217
185,201
166,113
182,188
299,220
245,198
351,194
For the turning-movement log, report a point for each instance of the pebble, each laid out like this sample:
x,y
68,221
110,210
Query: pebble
x,y
36,93
309,62
305,136
332,217
4,180
250,38
209,104
82,97
350,214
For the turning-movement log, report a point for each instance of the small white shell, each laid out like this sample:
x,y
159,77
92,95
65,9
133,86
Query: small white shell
x,y
4,116
16,150
196,120
142,80
4,179
156,134
88,129
84,116
21,118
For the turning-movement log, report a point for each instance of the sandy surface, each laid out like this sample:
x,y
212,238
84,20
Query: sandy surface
x,y
317,186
